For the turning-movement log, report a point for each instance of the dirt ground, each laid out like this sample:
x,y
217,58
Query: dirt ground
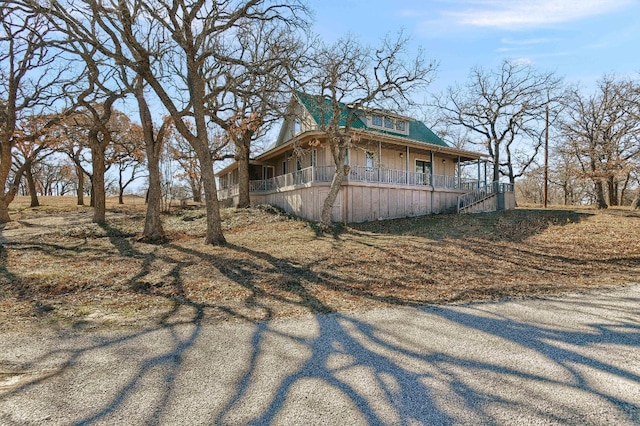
x,y
60,271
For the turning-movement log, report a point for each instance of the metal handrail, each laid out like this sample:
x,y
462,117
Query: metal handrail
x,y
483,193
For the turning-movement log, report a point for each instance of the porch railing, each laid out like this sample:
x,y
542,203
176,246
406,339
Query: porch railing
x,y
228,192
356,174
482,193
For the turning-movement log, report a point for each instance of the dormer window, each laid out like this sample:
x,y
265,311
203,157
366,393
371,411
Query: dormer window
x,y
389,123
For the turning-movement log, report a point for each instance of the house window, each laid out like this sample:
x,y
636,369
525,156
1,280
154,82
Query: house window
x,y
369,160
423,166
298,164
401,125
388,123
376,120
297,126
284,167
346,157
314,157
423,172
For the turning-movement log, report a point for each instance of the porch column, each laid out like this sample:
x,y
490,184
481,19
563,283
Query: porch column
x,y
478,185
406,167
379,161
459,177
485,172
431,168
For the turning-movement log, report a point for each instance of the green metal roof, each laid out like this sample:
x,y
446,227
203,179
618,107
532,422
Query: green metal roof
x,y
417,130
321,110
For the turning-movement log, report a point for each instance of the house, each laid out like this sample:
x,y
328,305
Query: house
x,y
398,168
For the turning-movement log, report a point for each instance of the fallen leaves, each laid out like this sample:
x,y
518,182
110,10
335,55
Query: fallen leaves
x,y
275,265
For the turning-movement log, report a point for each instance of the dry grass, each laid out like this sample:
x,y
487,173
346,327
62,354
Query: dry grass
x,y
58,269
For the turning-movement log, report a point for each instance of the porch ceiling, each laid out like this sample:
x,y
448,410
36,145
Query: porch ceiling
x,y
442,152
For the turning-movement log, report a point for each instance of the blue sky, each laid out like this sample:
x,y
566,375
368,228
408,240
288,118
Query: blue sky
x,y
579,39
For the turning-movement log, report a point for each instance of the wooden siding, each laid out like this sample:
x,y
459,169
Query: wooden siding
x,y
305,202
361,202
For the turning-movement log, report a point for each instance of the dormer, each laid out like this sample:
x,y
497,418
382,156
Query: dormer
x,y
381,120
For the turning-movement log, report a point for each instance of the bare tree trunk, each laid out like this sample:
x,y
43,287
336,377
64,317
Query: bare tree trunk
x,y
635,205
4,210
31,183
612,190
92,195
623,191
196,190
120,187
10,188
601,203
153,230
496,163
327,207
243,176
5,169
80,192
7,197
98,193
214,233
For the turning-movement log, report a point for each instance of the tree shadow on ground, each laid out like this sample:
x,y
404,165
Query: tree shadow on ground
x,y
444,365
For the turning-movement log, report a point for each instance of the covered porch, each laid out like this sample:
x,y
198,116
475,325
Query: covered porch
x,y
378,175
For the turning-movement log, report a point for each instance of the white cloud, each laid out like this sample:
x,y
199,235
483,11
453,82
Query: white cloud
x,y
527,42
513,14
521,61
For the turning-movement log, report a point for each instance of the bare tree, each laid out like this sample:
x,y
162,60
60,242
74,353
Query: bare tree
x,y
347,78
602,132
256,90
173,45
73,143
127,153
36,141
97,27
54,175
98,92
503,110
187,159
30,79
100,135
566,175
154,143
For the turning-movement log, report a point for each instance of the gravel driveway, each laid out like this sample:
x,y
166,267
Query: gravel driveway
x,y
568,360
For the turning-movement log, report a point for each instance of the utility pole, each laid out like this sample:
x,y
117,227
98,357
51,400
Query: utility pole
x,y
546,157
